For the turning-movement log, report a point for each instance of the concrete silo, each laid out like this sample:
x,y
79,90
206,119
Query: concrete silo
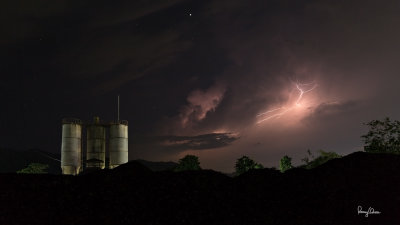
x,y
118,143
71,146
96,144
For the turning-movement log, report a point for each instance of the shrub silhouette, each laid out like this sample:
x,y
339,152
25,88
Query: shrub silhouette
x,y
285,163
35,168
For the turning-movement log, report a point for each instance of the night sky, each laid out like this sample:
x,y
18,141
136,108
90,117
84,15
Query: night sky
x,y
199,77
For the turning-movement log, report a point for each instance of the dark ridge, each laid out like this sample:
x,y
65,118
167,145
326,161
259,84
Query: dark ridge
x,y
369,161
157,166
133,194
131,168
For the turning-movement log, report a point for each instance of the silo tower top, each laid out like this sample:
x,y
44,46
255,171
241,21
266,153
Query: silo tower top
x,y
71,121
118,122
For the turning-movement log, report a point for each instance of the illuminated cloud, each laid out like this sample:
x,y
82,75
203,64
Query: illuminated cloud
x,y
200,103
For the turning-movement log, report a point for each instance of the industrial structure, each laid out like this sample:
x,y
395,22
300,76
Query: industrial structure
x,y
71,146
73,160
118,143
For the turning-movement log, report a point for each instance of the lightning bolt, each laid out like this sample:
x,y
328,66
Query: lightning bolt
x,y
264,113
302,92
278,112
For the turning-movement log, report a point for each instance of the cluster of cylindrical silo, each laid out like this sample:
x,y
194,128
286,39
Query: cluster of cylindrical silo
x,y
71,147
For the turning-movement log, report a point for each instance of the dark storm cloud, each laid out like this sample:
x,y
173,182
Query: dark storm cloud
x,y
124,58
328,110
198,142
101,46
122,44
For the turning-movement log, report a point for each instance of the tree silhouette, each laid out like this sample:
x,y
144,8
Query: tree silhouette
x,y
244,164
383,136
189,162
306,159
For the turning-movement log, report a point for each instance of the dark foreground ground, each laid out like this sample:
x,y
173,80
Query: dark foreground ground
x,y
132,194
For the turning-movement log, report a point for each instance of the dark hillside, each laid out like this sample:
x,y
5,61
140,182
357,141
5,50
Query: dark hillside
x,y
133,194
14,160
